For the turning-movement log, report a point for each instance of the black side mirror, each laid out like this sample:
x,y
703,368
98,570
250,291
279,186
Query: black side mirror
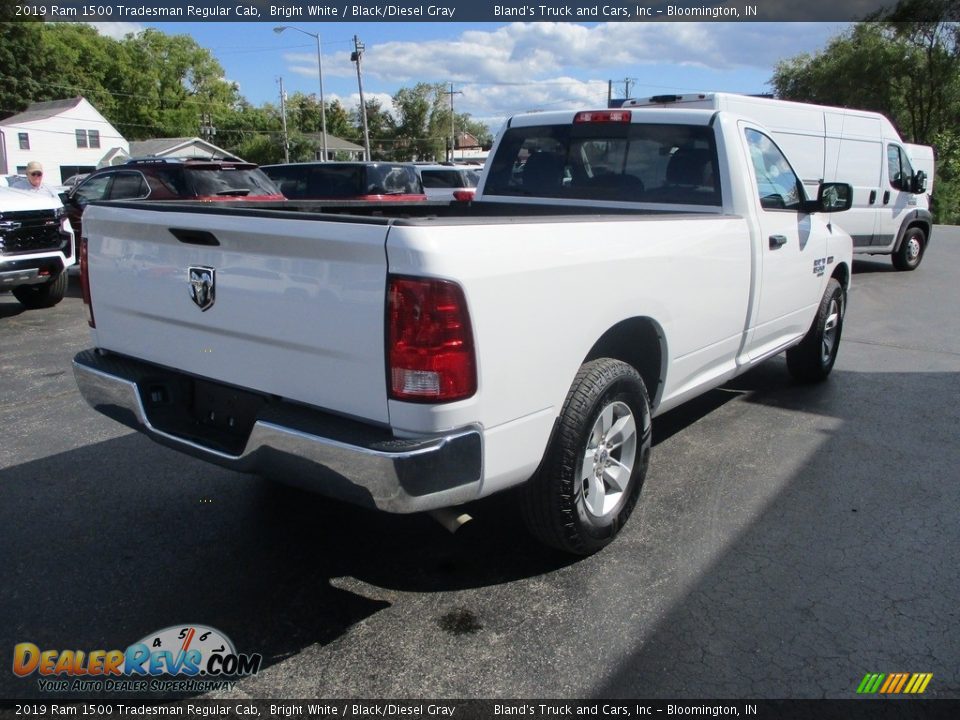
x,y
831,197
918,183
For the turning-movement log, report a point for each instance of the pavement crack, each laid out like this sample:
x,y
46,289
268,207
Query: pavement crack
x,y
897,346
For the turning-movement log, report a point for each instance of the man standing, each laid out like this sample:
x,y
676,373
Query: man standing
x,y
34,181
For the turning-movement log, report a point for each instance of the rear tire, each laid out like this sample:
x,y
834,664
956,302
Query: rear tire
x,y
590,479
46,295
910,253
813,359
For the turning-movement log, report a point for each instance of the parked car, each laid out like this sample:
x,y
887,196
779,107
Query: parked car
x,y
348,181
449,182
74,180
171,179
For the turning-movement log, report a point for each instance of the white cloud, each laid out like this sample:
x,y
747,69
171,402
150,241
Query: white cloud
x,y
527,66
117,30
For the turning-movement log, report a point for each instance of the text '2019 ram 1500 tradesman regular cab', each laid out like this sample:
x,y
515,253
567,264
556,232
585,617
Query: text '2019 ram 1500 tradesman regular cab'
x,y
615,264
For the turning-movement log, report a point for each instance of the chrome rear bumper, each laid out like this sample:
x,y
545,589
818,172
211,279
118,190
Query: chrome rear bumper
x,y
320,452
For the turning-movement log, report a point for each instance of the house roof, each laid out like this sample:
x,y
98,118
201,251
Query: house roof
x,y
42,111
467,140
334,142
157,147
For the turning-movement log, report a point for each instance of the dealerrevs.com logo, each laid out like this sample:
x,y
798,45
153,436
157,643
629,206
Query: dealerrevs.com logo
x,y
180,658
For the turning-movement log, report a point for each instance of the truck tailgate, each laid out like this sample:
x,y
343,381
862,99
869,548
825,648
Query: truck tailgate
x,y
296,308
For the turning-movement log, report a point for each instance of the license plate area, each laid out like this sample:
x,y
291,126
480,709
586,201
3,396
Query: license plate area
x,y
216,416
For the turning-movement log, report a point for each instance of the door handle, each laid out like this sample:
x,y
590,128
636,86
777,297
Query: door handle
x,y
777,242
886,197
194,237
873,196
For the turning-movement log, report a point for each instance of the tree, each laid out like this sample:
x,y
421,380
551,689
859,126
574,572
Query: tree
x,y
381,127
167,83
904,63
421,112
21,81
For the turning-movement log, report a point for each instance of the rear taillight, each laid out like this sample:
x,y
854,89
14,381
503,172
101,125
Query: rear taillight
x,y
430,350
463,195
85,282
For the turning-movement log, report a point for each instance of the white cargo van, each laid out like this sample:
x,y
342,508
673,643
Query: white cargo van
x,y
890,213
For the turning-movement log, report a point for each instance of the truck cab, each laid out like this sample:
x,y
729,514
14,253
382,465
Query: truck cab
x,y
892,180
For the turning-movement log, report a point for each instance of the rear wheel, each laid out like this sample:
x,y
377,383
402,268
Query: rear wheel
x,y
595,465
910,253
45,295
814,357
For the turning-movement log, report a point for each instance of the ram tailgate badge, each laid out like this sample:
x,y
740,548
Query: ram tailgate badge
x,y
202,289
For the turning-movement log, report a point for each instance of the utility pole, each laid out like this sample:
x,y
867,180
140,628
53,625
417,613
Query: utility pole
x,y
283,117
453,130
355,57
207,130
626,86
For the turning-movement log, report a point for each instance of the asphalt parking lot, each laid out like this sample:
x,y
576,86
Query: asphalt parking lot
x,y
789,539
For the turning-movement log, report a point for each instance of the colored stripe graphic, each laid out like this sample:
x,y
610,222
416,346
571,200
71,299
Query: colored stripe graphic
x,y
870,683
894,683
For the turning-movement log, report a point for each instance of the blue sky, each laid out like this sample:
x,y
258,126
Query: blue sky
x,y
502,68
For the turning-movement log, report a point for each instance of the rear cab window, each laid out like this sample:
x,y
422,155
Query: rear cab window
x,y
637,162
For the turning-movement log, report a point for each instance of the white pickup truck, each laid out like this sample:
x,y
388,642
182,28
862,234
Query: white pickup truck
x,y
414,358
36,247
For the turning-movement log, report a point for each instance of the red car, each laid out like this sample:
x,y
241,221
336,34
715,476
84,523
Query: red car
x,y
171,179
377,181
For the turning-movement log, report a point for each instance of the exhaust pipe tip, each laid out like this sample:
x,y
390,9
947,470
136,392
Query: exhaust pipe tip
x,y
452,519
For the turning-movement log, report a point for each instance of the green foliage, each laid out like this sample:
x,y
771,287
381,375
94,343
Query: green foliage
x,y
905,68
150,84
946,191
423,122
20,83
260,149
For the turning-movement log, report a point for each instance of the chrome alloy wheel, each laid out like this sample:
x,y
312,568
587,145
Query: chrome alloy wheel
x,y
608,460
830,331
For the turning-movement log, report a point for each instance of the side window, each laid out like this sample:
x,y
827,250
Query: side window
x,y
24,140
93,189
127,186
777,184
898,168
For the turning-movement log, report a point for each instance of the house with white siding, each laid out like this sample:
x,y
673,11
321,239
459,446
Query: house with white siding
x,y
67,136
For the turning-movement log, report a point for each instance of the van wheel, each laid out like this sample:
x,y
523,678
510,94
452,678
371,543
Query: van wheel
x,y
46,295
910,254
590,479
814,357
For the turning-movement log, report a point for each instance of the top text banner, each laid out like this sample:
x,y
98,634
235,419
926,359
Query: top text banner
x,y
444,10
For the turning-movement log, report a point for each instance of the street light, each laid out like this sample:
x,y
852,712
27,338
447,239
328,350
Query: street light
x,y
323,107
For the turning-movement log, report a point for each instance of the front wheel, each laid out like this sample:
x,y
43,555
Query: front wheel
x,y
43,296
590,479
814,357
910,253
